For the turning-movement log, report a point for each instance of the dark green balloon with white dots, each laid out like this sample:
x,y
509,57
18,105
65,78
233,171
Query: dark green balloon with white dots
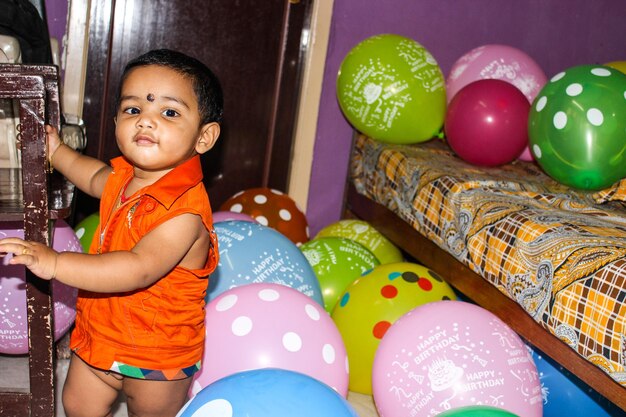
x,y
577,127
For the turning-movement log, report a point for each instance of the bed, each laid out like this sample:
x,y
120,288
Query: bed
x,y
548,260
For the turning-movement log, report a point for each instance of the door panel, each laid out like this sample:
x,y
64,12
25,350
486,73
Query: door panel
x,y
253,47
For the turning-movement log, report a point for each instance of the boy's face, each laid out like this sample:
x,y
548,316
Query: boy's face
x,y
158,122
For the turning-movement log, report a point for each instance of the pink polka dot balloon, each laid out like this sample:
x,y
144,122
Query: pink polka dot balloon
x,y
13,324
266,325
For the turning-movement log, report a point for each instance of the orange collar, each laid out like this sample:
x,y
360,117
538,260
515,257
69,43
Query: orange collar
x,y
171,186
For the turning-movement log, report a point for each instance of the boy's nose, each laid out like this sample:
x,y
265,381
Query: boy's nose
x,y
145,121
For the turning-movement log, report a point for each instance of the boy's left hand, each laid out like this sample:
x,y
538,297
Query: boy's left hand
x,y
37,257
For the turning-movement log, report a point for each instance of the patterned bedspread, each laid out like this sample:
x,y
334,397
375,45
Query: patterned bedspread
x,y
559,253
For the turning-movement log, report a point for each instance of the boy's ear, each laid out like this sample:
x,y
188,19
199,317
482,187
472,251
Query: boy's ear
x,y
208,136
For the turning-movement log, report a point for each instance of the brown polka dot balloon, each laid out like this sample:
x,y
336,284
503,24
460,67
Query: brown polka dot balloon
x,y
271,208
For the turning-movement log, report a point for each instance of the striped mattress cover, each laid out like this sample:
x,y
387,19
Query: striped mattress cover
x,y
559,253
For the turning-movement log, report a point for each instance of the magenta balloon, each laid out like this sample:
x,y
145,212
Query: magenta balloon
x,y
224,216
500,62
487,123
13,325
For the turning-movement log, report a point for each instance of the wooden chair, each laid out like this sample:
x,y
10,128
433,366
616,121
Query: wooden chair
x,y
42,199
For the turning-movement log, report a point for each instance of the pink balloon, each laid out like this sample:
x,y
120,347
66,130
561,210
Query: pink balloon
x,y
527,155
449,354
487,123
224,216
266,325
13,324
501,62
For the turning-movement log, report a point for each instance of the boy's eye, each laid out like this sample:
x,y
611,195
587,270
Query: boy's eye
x,y
131,110
170,113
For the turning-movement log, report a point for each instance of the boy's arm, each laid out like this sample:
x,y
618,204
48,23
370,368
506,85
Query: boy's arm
x,y
119,271
87,173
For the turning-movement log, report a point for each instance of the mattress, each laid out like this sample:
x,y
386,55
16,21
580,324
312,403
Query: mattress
x,y
559,253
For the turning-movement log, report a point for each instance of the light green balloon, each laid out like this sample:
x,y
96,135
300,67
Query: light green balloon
x,y
86,229
337,263
577,127
391,88
362,232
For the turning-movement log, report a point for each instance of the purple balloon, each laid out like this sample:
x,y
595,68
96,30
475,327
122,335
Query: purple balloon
x,y
13,324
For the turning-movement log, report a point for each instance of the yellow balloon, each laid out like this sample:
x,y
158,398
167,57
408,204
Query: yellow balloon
x,y
618,65
373,302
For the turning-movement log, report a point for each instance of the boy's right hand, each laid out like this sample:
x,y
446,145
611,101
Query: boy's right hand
x,y
54,141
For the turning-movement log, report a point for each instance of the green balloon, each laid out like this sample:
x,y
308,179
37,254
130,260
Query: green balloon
x,y
577,127
337,263
477,411
362,232
391,88
85,230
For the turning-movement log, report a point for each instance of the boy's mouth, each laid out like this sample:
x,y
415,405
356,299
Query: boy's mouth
x,y
144,140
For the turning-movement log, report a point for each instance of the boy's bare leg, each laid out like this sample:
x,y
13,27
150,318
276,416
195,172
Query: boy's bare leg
x,y
89,392
155,398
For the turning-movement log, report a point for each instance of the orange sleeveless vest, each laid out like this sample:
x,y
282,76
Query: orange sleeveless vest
x,y
160,327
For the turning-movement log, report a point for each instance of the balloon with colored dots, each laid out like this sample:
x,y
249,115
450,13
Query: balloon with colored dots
x,y
372,303
577,127
271,208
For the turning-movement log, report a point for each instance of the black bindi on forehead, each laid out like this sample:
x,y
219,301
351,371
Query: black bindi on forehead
x,y
150,97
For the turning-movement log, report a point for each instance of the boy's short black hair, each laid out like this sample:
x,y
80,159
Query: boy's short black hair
x,y
205,84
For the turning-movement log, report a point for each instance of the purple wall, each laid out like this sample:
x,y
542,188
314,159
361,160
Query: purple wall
x,y
56,13
557,34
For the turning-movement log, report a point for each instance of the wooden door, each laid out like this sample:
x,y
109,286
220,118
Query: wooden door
x,y
254,47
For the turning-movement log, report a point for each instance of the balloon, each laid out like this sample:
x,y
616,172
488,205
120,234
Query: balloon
x,y
337,262
577,127
448,354
373,303
362,232
499,62
271,208
13,324
271,326
391,88
564,394
224,216
618,65
267,393
487,123
251,252
86,229
477,411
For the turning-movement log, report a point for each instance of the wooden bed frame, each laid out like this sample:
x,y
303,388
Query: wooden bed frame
x,y
481,292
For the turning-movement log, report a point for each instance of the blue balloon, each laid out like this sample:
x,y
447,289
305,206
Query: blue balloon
x,y
566,395
267,392
251,252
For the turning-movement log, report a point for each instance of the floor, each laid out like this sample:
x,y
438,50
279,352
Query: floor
x,y
14,374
